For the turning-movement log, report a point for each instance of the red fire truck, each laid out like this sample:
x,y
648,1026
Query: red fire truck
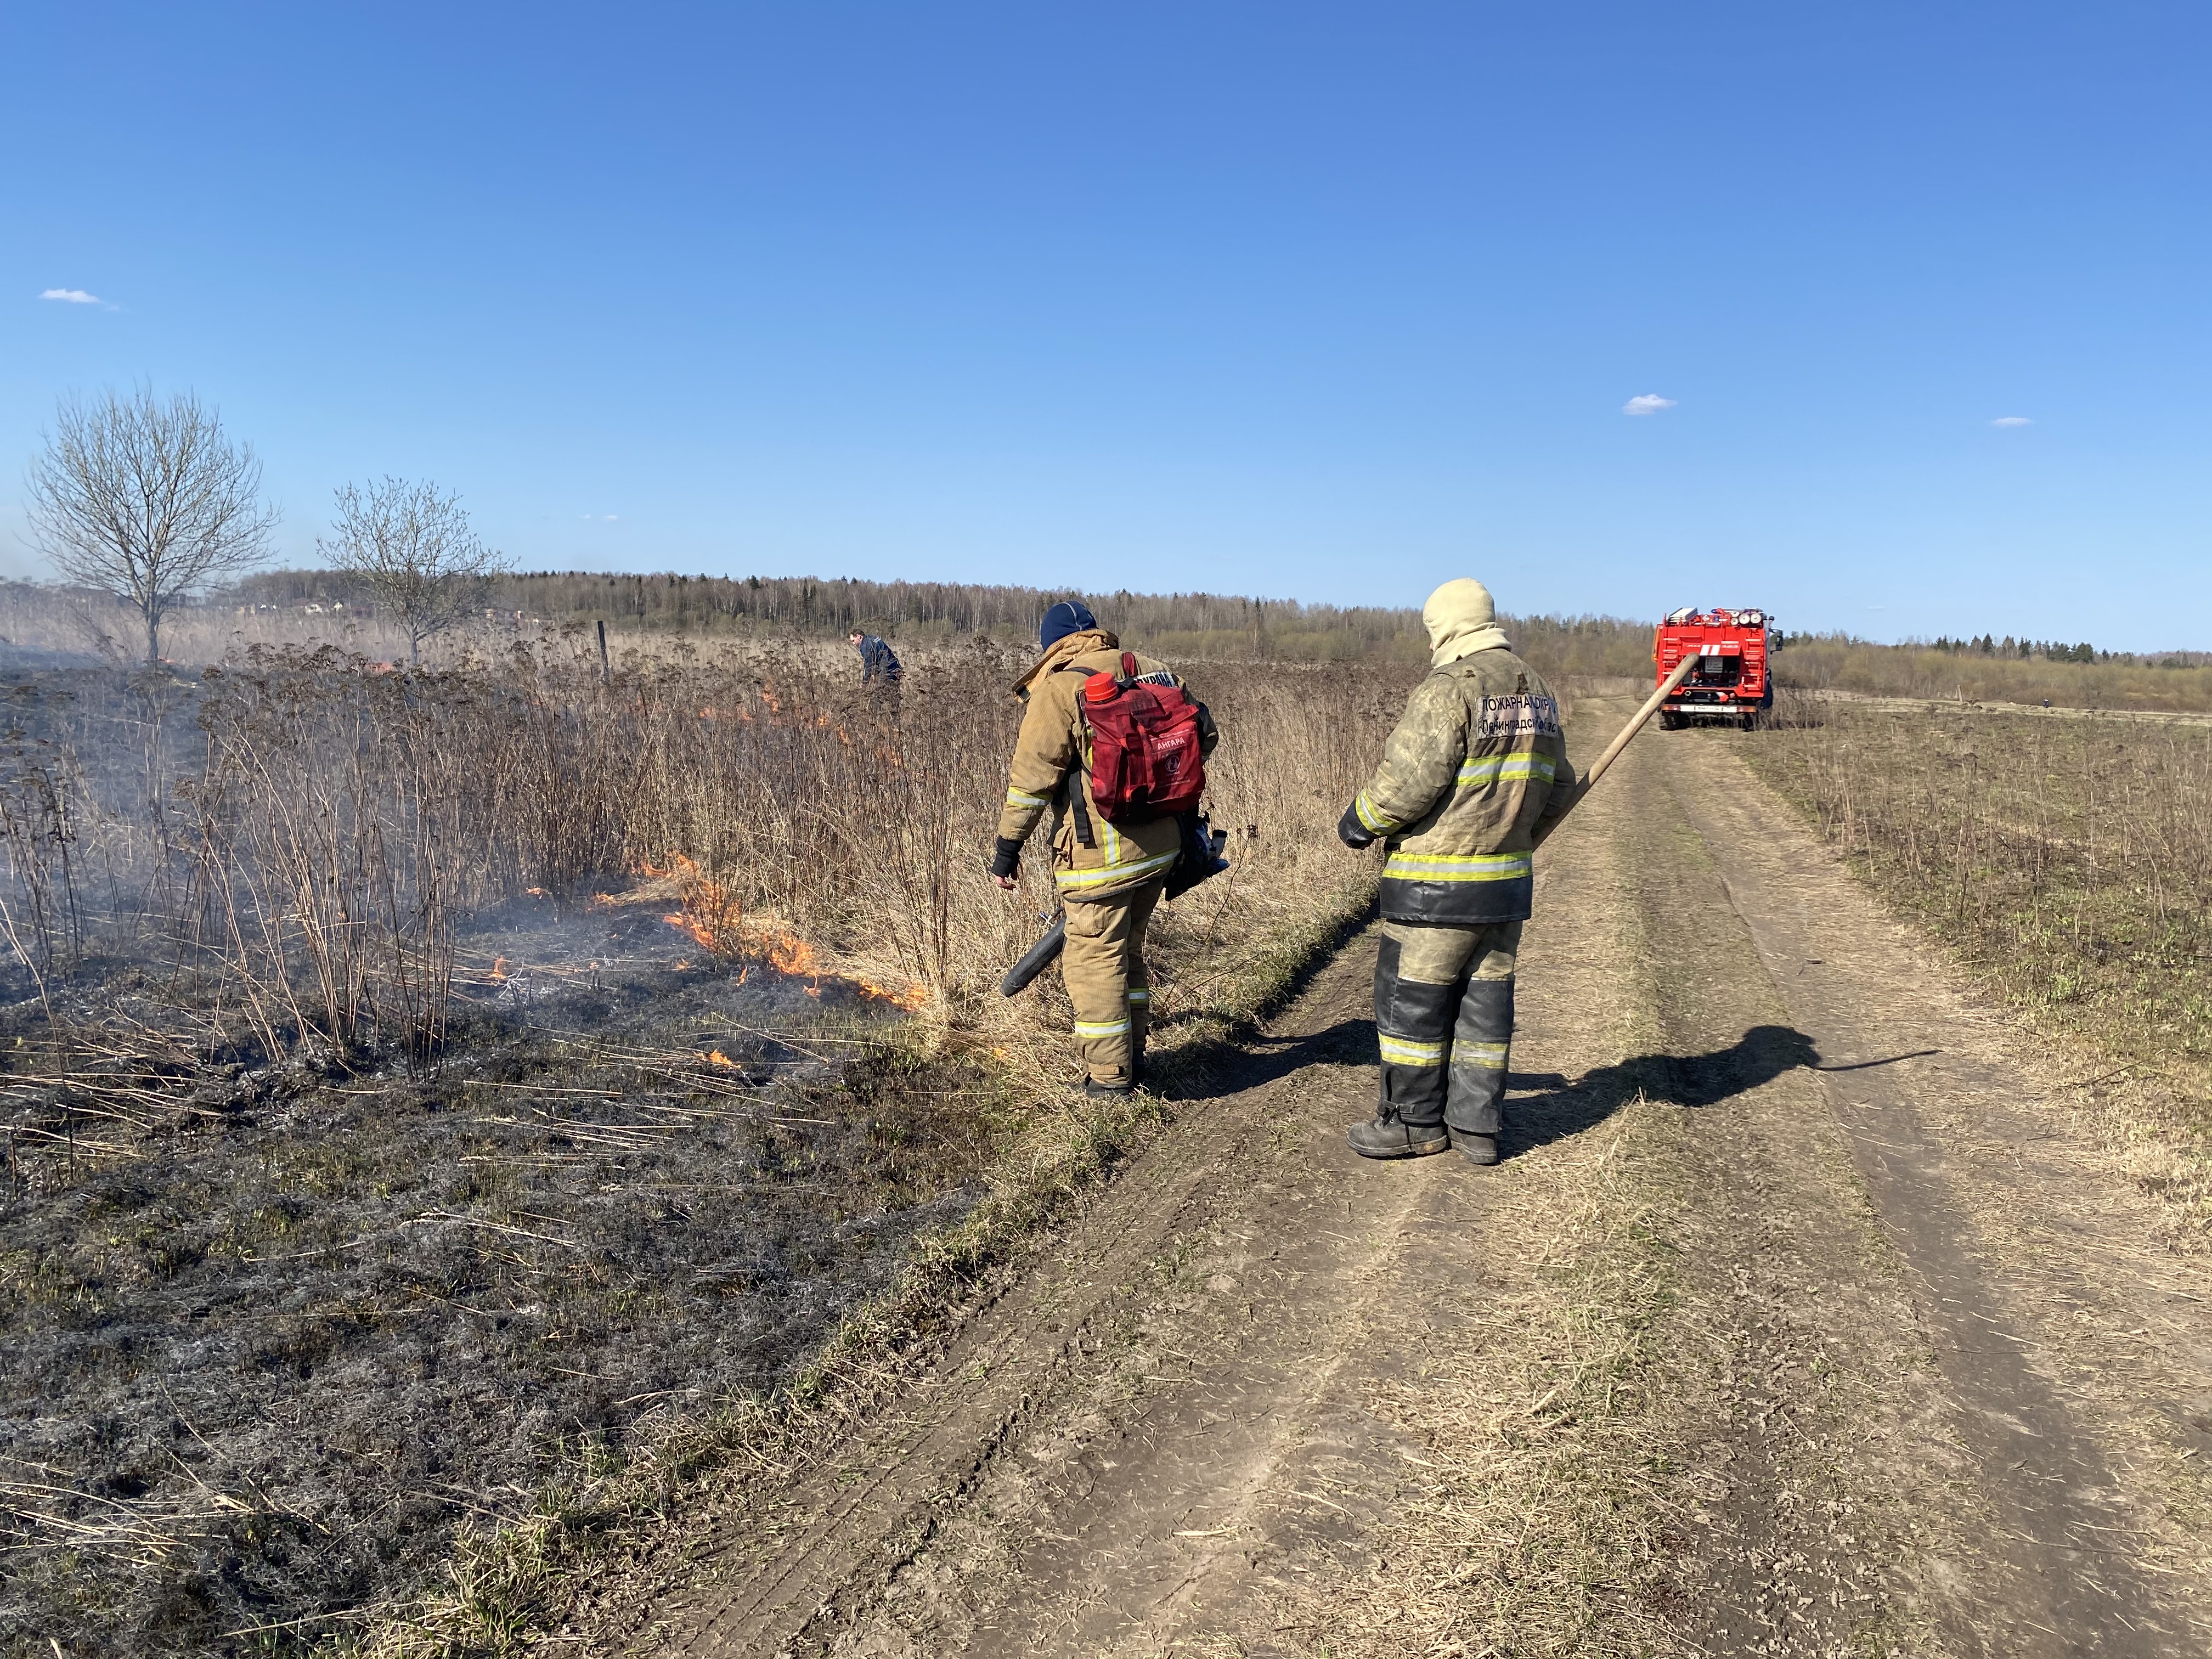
x,y
1730,682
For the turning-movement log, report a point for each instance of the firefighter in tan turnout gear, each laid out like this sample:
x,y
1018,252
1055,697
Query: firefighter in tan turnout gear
x,y
1476,763
1109,872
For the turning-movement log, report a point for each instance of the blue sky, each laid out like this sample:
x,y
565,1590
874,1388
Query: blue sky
x,y
1329,303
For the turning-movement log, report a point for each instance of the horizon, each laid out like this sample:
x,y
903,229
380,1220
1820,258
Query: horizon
x,y
1899,316
223,593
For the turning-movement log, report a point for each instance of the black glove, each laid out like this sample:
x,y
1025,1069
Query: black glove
x,y
1007,858
1351,831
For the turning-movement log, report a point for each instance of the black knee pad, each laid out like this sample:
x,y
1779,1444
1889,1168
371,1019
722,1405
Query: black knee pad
x,y
1486,1012
1409,1008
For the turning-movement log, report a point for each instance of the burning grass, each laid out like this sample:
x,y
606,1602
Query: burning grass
x,y
429,1094
2068,860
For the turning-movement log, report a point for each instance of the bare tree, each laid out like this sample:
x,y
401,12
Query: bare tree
x,y
412,548
146,500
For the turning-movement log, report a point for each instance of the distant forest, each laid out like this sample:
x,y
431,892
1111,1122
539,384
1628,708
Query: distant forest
x,y
1218,627
1203,625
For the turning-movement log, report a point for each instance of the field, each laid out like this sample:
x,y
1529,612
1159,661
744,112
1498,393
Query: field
x,y
502,1151
433,1094
2069,861
1820,1306
2174,682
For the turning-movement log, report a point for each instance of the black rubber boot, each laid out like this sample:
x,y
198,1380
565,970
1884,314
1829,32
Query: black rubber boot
x,y
1387,1135
1098,1091
1475,1149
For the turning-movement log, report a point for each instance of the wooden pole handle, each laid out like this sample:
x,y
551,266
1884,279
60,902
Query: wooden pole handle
x,y
1667,689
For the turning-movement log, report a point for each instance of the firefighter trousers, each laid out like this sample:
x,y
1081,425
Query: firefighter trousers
x,y
1103,968
1443,1011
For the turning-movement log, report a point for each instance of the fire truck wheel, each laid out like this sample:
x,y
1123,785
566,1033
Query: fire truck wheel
x,y
1746,721
1670,721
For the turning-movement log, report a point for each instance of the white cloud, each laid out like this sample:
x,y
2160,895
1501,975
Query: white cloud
x,y
2012,420
74,297
1649,404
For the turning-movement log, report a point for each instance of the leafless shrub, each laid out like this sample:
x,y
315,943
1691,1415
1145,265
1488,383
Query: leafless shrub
x,y
412,547
309,869
324,820
146,499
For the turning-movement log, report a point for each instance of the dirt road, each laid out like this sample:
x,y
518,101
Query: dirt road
x,y
1806,1316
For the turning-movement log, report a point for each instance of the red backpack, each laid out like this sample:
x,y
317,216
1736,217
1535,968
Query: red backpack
x,y
1145,758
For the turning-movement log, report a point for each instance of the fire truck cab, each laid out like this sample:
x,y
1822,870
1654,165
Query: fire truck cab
x,y
1730,682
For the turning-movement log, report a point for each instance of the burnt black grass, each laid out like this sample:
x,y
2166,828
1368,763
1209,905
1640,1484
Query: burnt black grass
x,y
260,1368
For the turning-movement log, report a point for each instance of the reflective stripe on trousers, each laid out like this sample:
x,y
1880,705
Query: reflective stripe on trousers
x,y
1444,1016
1104,968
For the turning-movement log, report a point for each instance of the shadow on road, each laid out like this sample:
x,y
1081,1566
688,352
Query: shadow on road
x,y
1542,1107
1348,1043
1558,1107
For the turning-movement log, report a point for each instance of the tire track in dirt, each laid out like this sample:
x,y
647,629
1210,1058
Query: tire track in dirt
x,y
1223,1414
2074,1538
1013,1372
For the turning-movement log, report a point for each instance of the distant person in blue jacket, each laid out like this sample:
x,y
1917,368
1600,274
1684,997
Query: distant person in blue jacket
x,y
877,661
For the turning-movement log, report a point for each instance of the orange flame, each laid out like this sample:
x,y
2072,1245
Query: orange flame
x,y
684,922
908,1000
498,968
711,917
787,953
716,1057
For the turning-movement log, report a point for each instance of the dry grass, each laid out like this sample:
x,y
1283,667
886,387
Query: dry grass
x,y
242,904
1539,1517
1221,957
59,625
1913,671
302,831
2067,862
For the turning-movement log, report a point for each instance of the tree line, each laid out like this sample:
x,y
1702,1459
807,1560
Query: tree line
x,y
149,499
2058,651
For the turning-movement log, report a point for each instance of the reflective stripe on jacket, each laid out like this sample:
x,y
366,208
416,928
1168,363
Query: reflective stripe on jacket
x,y
1476,763
1052,743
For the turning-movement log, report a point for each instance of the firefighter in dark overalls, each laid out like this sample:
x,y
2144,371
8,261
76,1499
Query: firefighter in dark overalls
x,y
1475,764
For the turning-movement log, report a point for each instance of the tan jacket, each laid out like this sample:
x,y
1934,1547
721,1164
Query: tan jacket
x,y
1476,763
1054,742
